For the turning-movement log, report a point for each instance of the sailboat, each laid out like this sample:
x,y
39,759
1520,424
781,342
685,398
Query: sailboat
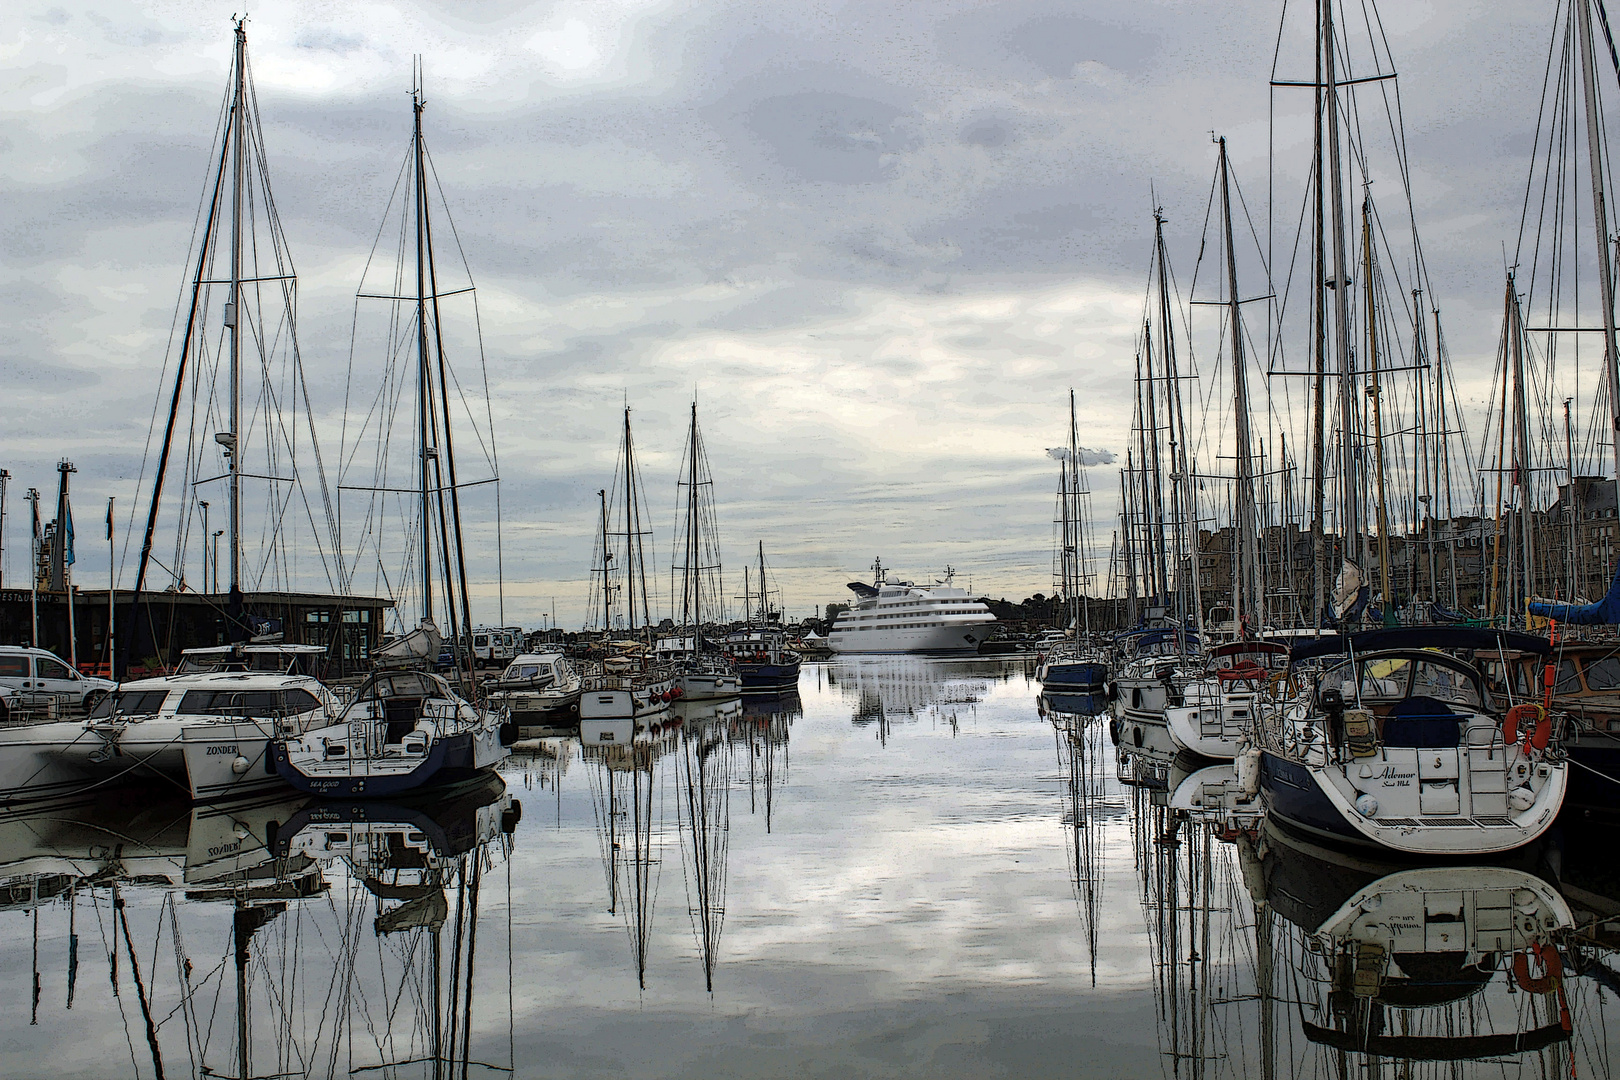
x,y
702,673
1078,664
207,726
407,728
759,649
1156,660
633,684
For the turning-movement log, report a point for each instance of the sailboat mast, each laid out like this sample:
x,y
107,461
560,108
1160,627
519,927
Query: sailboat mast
x,y
1247,596
424,372
1319,349
691,601
1521,454
1594,149
629,524
762,602
234,321
1349,479
1376,390
447,459
607,588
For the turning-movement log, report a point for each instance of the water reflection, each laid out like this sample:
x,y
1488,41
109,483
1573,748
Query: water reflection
x,y
269,937
885,690
1082,756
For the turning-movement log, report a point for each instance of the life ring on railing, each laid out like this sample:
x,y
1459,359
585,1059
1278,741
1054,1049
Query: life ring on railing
x,y
1552,968
1537,726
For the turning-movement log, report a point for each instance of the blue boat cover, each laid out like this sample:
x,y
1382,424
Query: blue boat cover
x,y
1606,610
1421,637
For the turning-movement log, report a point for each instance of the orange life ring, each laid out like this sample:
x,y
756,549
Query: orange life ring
x,y
1537,730
1552,968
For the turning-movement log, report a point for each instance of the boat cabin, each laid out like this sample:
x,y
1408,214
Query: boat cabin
x,y
277,659
402,700
536,671
1417,698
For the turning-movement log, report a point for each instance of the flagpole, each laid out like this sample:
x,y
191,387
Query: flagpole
x,y
112,583
33,572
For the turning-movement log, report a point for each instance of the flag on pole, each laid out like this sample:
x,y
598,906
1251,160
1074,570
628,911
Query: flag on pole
x,y
109,519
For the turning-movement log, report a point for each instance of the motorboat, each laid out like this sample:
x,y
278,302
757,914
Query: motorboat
x,y
207,728
538,690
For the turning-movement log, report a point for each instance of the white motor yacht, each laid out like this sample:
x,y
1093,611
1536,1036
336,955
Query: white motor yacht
x,y
901,617
538,689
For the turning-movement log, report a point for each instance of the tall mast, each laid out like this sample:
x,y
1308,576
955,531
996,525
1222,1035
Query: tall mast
x,y
1349,479
1319,349
762,593
607,556
424,371
1594,150
1375,390
1521,455
1247,593
629,526
691,602
233,448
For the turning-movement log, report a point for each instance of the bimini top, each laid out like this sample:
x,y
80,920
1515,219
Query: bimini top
x,y
1422,637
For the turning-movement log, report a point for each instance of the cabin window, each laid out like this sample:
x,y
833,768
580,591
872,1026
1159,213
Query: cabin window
x,y
1445,684
1384,679
131,703
1603,673
1568,682
257,703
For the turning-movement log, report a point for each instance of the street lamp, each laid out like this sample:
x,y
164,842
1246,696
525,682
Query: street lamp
x,y
217,534
204,504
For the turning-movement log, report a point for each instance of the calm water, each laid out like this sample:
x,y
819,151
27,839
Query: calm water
x,y
908,870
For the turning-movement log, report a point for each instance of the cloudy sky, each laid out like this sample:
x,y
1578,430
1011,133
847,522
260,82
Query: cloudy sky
x,y
879,240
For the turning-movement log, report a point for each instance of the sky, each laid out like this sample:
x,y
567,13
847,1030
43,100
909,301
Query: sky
x,y
879,241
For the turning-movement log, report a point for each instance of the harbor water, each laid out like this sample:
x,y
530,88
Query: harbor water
x,y
910,868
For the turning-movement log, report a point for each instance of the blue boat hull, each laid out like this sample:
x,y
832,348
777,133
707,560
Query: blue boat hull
x,y
769,678
449,759
1078,677
1294,800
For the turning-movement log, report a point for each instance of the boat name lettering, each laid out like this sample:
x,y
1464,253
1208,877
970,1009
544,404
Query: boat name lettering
x,y
216,750
1391,778
224,849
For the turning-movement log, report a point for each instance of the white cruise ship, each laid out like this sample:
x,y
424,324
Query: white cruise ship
x,y
899,617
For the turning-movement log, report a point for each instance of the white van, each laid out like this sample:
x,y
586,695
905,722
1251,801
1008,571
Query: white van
x,y
38,677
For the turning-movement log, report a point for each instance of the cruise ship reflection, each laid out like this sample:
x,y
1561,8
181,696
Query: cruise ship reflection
x,y
289,891
885,690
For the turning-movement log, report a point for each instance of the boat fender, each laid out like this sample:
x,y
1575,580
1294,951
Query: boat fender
x,y
509,733
1547,960
1113,730
1112,690
240,765
1248,770
1366,805
1537,731
510,817
1521,799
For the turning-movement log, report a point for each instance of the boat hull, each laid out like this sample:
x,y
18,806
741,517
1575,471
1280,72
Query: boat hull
x,y
450,758
1075,677
1305,799
769,678
708,685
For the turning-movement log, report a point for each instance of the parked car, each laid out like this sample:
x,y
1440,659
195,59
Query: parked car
x,y
38,676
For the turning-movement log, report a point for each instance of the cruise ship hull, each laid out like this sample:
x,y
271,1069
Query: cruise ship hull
x,y
930,639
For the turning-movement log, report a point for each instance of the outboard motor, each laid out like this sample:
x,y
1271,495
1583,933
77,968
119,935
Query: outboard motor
x,y
1332,702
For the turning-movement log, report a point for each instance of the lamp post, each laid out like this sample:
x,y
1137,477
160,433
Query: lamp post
x,y
216,535
5,478
204,504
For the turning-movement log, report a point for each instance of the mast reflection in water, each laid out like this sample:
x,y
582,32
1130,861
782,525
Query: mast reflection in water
x,y
271,937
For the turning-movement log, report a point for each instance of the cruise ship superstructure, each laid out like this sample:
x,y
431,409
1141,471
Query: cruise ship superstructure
x,y
900,617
